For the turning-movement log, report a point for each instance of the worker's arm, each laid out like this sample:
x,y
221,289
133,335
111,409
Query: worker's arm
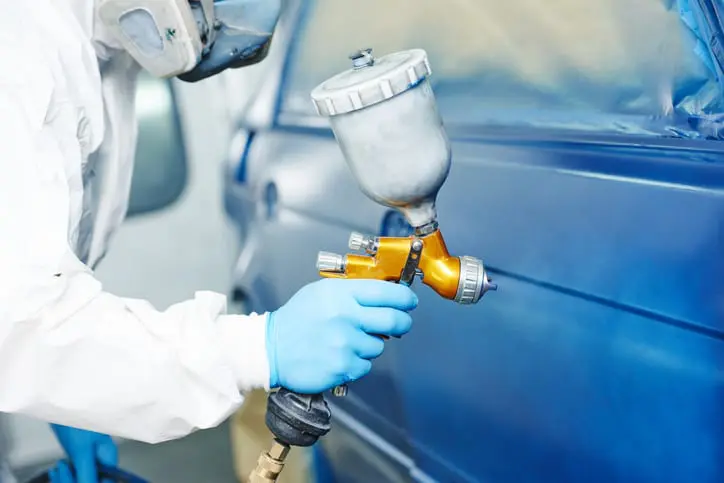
x,y
74,354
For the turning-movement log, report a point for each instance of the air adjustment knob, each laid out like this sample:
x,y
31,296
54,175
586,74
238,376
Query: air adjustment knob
x,y
358,241
474,282
330,262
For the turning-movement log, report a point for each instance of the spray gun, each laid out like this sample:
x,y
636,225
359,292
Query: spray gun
x,y
385,119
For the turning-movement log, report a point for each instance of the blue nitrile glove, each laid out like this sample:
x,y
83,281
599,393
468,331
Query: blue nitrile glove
x,y
60,473
84,449
321,337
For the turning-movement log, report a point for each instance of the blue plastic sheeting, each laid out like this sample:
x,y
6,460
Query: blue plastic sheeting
x,y
646,67
703,18
692,15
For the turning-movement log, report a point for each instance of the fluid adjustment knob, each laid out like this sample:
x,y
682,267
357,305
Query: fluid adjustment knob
x,y
358,241
330,262
474,281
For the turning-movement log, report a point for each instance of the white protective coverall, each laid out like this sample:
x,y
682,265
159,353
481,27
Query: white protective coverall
x,y
71,353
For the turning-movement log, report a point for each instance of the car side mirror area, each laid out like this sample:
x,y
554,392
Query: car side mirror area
x,y
160,172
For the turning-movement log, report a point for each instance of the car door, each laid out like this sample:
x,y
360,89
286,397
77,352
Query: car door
x,y
593,361
574,180
589,217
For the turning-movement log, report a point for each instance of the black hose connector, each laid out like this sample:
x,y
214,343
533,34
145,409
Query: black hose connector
x,y
297,419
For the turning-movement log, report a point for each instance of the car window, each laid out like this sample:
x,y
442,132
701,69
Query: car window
x,y
614,65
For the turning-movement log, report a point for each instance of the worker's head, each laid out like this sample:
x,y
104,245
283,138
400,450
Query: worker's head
x,y
192,39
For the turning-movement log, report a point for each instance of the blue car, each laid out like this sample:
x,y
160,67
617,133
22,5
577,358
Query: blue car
x,y
588,174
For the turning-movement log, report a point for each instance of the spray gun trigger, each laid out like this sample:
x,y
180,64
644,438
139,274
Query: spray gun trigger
x,y
413,259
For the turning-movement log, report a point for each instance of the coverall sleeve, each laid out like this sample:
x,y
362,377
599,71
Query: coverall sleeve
x,y
73,354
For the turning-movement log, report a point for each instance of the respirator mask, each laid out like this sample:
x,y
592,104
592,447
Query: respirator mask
x,y
192,39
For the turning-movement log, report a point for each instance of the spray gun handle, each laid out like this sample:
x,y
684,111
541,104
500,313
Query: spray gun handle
x,y
341,390
333,263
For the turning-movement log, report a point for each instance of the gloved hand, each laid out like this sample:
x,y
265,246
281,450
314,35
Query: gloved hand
x,y
84,448
321,337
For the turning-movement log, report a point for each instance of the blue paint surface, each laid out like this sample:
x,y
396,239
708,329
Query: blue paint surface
x,y
601,357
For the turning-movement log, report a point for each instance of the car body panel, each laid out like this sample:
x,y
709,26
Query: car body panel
x,y
600,358
602,351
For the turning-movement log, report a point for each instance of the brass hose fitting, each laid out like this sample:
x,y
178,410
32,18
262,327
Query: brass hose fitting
x,y
270,464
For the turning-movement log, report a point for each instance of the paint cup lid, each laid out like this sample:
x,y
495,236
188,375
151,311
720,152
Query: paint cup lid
x,y
370,81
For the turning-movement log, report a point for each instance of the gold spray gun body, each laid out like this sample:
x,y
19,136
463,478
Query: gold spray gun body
x,y
399,259
385,119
